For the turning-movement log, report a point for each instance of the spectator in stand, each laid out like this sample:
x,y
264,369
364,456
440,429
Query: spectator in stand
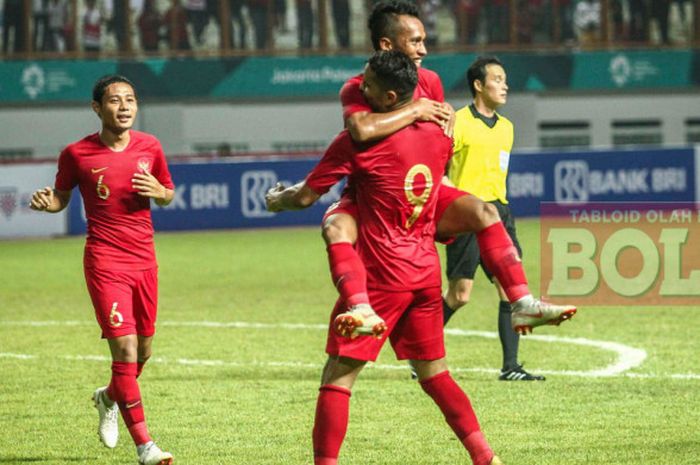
x,y
13,19
117,24
92,27
341,22
467,19
280,7
236,11
587,21
176,26
40,15
305,23
565,15
197,17
498,21
428,12
58,18
524,22
659,13
149,24
259,10
617,15
639,21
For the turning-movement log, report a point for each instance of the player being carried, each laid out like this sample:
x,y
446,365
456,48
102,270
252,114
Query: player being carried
x,y
397,185
118,171
395,25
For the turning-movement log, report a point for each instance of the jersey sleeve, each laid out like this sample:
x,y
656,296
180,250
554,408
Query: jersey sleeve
x,y
437,92
67,175
160,167
352,99
335,164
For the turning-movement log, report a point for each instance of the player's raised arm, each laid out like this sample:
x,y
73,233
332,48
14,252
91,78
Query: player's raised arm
x,y
295,197
365,126
49,200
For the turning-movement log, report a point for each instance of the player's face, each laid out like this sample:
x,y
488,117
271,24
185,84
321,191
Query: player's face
x,y
494,89
374,94
410,38
118,107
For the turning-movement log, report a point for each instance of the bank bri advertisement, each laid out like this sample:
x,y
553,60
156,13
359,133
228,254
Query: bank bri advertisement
x,y
218,195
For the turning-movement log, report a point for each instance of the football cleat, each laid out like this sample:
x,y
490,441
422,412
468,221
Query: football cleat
x,y
360,320
108,429
519,374
150,454
529,313
496,461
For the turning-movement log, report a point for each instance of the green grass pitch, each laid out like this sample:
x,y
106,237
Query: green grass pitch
x,y
239,350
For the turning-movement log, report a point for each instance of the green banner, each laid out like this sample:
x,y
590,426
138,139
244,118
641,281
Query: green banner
x,y
312,77
632,69
289,77
54,80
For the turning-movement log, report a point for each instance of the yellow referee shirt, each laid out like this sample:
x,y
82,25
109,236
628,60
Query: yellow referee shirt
x,y
481,154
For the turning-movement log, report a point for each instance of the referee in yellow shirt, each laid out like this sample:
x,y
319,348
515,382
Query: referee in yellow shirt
x,y
483,140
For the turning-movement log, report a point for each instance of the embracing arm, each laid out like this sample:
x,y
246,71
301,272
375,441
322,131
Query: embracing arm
x,y
365,126
295,197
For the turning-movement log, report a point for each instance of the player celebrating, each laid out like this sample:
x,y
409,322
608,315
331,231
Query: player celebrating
x,y
118,171
395,25
397,180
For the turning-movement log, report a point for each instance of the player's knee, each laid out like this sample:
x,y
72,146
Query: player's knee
x,y
487,214
457,298
339,228
125,353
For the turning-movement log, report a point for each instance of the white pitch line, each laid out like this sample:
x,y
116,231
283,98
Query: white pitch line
x,y
627,357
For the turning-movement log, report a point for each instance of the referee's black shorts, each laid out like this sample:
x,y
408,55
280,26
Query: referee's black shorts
x,y
463,256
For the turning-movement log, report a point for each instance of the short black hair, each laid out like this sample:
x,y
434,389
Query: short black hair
x,y
477,70
383,18
395,71
100,87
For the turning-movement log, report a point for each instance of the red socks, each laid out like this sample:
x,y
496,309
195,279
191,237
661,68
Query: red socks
x,y
331,424
455,405
501,258
124,390
348,273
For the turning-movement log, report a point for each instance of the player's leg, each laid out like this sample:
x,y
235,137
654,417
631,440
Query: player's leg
x,y
145,303
347,270
462,263
419,336
436,381
500,256
510,339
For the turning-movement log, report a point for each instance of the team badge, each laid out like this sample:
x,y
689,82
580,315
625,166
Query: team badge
x,y
144,164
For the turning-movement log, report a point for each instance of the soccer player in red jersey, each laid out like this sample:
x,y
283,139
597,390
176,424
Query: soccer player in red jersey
x,y
118,171
395,25
396,181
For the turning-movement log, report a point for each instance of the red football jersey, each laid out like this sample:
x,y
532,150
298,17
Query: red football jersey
x,y
352,99
119,227
396,182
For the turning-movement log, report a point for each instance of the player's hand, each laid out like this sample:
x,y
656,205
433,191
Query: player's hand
x,y
431,110
449,126
146,185
42,199
272,198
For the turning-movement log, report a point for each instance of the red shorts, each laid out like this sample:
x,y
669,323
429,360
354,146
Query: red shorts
x,y
125,302
414,321
446,195
345,205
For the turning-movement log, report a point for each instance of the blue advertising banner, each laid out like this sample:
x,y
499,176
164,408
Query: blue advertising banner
x,y
661,175
226,195
232,195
